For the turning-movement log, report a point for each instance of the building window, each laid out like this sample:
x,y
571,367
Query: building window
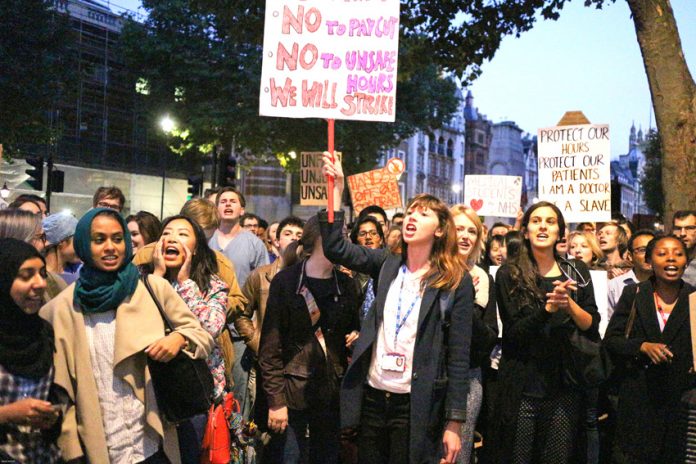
x,y
450,148
441,146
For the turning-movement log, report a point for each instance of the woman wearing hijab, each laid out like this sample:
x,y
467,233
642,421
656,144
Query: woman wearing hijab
x,y
106,326
28,422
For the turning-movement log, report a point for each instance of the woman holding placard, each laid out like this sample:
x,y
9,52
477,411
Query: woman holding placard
x,y
405,390
541,299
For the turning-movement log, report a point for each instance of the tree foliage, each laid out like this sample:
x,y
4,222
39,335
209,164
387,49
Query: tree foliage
x,y
34,71
465,34
209,53
652,175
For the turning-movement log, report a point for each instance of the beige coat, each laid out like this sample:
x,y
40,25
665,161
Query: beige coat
x,y
138,324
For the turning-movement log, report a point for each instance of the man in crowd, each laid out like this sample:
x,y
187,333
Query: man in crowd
x,y
613,241
684,227
640,272
250,222
247,253
398,219
256,287
109,197
379,214
256,290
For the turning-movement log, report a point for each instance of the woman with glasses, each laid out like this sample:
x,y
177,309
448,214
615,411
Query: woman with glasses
x,y
368,233
649,337
541,300
26,226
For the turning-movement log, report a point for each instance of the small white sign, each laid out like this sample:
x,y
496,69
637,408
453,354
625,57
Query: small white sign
x,y
493,195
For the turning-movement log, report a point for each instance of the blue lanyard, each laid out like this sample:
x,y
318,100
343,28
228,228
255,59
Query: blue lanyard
x,y
401,321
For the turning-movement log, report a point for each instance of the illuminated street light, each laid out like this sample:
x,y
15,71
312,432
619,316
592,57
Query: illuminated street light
x,y
4,192
456,188
167,124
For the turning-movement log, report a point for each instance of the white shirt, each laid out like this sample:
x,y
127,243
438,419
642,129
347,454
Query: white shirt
x,y
406,288
616,287
128,437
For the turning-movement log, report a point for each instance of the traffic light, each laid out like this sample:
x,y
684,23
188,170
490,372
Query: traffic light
x,y
228,172
35,174
195,186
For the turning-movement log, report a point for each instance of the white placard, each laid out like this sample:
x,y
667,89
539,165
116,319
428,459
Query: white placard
x,y
600,283
493,195
574,171
332,59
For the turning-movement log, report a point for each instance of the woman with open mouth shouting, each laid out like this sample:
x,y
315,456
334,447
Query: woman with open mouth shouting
x,y
649,336
182,257
106,325
541,299
485,322
405,390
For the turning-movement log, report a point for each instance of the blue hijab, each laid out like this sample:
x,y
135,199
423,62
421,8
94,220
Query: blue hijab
x,y
97,291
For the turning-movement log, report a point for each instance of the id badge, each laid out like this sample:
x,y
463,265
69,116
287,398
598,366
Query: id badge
x,y
394,362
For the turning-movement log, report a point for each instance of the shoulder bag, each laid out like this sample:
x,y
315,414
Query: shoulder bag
x,y
183,386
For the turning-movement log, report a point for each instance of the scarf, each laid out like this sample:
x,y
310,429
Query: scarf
x,y
98,291
26,340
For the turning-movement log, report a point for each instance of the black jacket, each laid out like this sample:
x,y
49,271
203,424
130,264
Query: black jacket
x,y
439,382
532,362
294,370
649,395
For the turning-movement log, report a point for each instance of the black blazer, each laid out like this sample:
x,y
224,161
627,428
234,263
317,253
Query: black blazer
x,y
649,395
439,382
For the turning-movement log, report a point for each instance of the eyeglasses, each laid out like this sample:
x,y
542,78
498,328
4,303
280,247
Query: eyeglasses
x,y
365,233
572,273
639,251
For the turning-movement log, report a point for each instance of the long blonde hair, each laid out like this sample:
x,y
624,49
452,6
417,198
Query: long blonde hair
x,y
447,265
477,249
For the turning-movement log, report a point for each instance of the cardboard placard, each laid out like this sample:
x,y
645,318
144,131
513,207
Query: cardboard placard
x,y
313,191
330,59
377,187
574,171
493,195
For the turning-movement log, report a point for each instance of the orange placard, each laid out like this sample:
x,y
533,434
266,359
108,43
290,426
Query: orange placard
x,y
377,187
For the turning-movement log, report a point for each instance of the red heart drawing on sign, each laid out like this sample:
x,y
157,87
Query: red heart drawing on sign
x,y
476,204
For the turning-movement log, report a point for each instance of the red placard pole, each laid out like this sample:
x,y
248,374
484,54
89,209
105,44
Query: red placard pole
x,y
329,179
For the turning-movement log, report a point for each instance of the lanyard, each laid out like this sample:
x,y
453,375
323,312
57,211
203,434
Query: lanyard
x,y
401,321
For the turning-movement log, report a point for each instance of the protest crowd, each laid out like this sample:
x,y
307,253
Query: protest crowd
x,y
216,336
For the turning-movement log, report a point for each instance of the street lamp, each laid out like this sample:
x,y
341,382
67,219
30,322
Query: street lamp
x,y
167,125
4,191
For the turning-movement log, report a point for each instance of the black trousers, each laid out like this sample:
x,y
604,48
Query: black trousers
x,y
383,436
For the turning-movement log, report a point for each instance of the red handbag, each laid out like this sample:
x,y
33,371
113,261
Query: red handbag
x,y
215,448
